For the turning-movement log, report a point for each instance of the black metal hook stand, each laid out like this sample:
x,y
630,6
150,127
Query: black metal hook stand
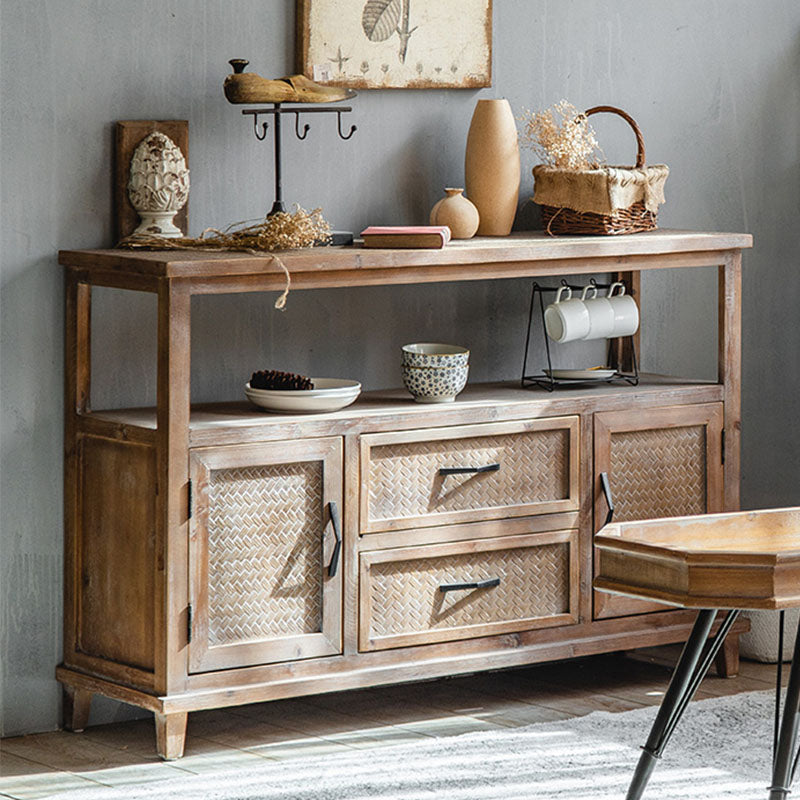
x,y
277,111
549,382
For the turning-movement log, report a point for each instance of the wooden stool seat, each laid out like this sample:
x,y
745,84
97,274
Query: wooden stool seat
x,y
744,559
739,560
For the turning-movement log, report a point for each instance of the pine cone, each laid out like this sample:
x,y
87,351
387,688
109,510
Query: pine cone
x,y
275,379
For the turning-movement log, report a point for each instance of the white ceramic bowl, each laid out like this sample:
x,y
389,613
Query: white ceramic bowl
x,y
434,384
328,394
430,354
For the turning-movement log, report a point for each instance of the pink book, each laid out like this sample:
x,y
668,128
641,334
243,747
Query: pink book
x,y
431,236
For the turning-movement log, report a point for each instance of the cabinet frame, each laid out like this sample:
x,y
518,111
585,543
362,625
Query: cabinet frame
x,y
170,690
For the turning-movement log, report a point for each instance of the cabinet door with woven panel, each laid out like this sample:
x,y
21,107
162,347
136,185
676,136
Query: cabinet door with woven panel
x,y
663,462
442,592
435,476
265,571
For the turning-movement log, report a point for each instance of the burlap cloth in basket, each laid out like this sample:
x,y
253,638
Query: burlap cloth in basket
x,y
600,191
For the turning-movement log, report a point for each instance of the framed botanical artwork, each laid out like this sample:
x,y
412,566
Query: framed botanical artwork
x,y
396,44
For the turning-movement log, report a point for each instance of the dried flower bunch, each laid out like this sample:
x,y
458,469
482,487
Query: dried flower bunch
x,y
282,231
562,137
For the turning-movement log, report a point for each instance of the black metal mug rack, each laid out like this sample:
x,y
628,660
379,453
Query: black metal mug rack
x,y
277,111
548,381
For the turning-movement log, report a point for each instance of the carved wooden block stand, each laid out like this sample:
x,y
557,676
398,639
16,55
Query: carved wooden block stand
x,y
202,556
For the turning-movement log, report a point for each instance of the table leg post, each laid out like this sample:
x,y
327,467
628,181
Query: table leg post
x,y
683,681
782,769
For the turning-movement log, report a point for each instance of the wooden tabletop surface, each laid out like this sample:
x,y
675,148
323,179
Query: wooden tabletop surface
x,y
532,246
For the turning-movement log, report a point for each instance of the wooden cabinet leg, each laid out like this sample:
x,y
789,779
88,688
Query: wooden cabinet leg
x,y
77,703
170,734
727,660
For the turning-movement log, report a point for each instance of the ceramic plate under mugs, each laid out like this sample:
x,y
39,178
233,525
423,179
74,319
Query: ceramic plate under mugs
x,y
328,394
580,374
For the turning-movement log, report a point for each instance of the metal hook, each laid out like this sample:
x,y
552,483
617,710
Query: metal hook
x,y
353,128
297,127
264,125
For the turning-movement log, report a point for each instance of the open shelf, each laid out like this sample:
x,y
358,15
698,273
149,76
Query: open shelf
x,y
212,422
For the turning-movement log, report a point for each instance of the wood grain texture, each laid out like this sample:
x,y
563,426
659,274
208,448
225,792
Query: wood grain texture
x,y
730,369
127,136
530,253
170,734
115,552
76,706
745,559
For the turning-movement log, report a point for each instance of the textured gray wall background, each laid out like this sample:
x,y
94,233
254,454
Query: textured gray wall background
x,y
713,84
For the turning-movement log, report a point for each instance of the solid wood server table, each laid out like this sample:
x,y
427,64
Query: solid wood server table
x,y
200,540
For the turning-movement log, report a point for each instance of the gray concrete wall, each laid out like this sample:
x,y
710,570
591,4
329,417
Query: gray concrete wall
x,y
713,85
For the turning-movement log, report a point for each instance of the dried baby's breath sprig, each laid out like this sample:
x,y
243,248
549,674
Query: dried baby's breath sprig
x,y
282,231
562,137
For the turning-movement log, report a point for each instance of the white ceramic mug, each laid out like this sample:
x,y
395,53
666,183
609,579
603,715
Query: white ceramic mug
x,y
566,320
626,312
601,315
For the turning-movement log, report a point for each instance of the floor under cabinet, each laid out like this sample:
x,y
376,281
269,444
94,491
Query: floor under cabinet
x,y
44,764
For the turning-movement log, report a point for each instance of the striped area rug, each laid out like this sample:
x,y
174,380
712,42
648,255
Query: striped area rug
x,y
720,750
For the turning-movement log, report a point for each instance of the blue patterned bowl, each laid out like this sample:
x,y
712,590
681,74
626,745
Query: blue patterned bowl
x,y
429,354
435,384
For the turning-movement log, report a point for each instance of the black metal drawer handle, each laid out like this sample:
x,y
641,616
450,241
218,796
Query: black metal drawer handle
x,y
457,587
609,499
337,533
468,470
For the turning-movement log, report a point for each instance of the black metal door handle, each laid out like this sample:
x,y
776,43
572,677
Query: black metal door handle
x,y
468,470
457,587
337,533
609,499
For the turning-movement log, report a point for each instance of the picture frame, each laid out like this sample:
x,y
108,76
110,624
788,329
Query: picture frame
x,y
396,44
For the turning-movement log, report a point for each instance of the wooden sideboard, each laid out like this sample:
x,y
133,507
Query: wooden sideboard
x,y
201,564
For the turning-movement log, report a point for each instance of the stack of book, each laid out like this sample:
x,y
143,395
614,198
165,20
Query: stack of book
x,y
421,236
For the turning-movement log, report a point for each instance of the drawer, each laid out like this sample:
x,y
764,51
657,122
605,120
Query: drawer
x,y
419,595
505,469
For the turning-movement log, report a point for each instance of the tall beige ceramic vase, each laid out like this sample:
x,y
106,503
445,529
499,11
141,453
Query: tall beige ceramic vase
x,y
492,166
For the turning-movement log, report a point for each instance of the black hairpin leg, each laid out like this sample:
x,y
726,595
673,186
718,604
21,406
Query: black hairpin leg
x,y
697,656
785,763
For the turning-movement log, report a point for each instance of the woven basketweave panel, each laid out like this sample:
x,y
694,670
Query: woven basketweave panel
x,y
264,552
658,473
404,479
406,598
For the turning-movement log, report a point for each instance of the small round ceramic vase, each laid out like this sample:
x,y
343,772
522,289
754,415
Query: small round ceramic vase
x,y
458,213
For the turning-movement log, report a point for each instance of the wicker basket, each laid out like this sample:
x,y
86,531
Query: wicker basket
x,y
605,201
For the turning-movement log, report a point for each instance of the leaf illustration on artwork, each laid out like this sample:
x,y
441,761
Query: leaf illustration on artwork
x,y
382,18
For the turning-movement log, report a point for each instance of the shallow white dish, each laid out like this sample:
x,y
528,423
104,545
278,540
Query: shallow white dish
x,y
580,374
328,394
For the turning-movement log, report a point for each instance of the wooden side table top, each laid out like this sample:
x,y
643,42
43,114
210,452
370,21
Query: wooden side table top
x,y
743,559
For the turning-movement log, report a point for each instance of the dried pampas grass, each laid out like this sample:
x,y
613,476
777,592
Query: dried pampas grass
x,y
282,231
562,137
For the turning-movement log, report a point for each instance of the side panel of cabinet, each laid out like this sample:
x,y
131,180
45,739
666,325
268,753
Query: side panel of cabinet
x,y
664,462
264,584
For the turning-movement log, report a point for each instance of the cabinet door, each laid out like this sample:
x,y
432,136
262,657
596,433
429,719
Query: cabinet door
x,y
265,584
663,462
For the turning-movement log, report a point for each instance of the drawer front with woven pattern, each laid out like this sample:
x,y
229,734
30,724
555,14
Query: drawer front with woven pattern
x,y
666,463
262,538
439,476
437,593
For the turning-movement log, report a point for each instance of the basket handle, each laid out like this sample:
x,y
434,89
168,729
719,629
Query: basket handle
x,y
631,121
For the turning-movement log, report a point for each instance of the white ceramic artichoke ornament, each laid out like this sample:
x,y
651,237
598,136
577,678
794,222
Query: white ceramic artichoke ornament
x,y
158,187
